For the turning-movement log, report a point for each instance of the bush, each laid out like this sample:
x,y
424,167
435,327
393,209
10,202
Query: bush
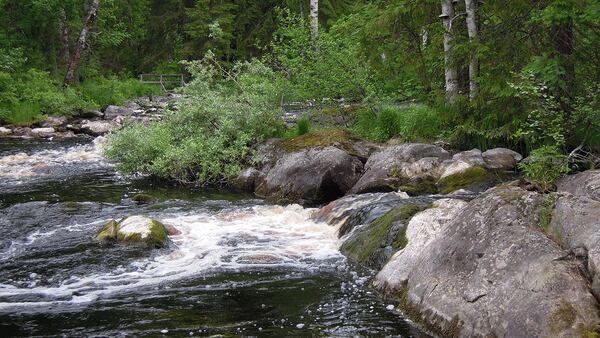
x,y
547,164
208,138
412,123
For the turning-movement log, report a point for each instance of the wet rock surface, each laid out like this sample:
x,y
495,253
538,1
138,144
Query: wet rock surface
x,y
137,230
486,269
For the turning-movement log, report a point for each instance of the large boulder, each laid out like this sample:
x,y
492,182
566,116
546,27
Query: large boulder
x,y
96,128
55,122
401,165
585,184
575,222
311,176
137,230
501,158
486,270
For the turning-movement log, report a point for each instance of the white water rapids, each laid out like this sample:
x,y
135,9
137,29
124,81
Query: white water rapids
x,y
228,240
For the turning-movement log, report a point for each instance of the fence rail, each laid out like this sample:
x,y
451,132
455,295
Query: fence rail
x,y
163,79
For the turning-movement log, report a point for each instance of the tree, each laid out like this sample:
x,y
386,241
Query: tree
x,y
75,58
314,21
473,32
451,70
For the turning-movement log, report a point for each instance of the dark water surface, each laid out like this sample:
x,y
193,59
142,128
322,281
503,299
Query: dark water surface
x,y
240,267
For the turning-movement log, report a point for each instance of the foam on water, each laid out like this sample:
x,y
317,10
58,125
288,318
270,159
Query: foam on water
x,y
231,240
19,168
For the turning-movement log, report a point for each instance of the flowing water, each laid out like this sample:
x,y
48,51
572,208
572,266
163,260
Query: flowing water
x,y
239,267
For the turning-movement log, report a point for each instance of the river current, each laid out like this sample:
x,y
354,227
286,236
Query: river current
x,y
239,267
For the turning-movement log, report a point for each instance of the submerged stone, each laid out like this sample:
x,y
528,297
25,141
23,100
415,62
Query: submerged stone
x,y
143,199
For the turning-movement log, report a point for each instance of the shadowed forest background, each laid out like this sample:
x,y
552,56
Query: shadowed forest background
x,y
524,74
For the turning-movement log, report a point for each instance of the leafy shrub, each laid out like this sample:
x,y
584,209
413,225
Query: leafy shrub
x,y
208,138
547,164
334,67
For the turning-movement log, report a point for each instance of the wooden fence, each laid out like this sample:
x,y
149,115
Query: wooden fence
x,y
165,80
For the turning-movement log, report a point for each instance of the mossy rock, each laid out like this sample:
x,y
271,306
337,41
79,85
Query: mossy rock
x,y
321,138
465,179
143,199
136,230
420,186
373,244
108,231
142,230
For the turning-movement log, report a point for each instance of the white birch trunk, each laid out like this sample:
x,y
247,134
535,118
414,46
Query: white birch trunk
x,y
471,10
451,72
314,21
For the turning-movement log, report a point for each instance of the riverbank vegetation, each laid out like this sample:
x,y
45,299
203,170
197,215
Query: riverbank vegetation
x,y
518,74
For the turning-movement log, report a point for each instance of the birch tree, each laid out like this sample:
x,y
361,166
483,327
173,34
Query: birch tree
x,y
75,58
473,31
314,21
451,69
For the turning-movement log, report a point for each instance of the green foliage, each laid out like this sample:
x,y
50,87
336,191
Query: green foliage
x,y
207,139
303,126
546,166
20,113
102,91
412,122
335,68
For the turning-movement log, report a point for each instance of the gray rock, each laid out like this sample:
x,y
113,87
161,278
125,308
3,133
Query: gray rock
x,y
576,224
22,131
396,165
311,176
112,112
353,210
96,127
55,121
501,158
247,180
5,131
485,270
92,114
43,132
586,184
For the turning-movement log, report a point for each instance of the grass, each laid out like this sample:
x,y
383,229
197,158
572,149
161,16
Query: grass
x,y
413,122
21,113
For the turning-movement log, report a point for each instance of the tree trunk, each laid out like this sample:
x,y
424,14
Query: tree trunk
x,y
314,21
63,30
472,29
563,42
75,58
451,72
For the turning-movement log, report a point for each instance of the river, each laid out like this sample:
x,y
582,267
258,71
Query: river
x,y
240,267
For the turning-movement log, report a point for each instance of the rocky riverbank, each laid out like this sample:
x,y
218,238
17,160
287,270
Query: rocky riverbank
x,y
458,245
94,123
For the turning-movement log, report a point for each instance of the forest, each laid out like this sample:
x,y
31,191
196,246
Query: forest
x,y
519,74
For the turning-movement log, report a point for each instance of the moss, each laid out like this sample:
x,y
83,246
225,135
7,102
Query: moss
x,y
464,179
421,186
143,199
157,238
563,317
320,138
108,231
545,212
362,246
